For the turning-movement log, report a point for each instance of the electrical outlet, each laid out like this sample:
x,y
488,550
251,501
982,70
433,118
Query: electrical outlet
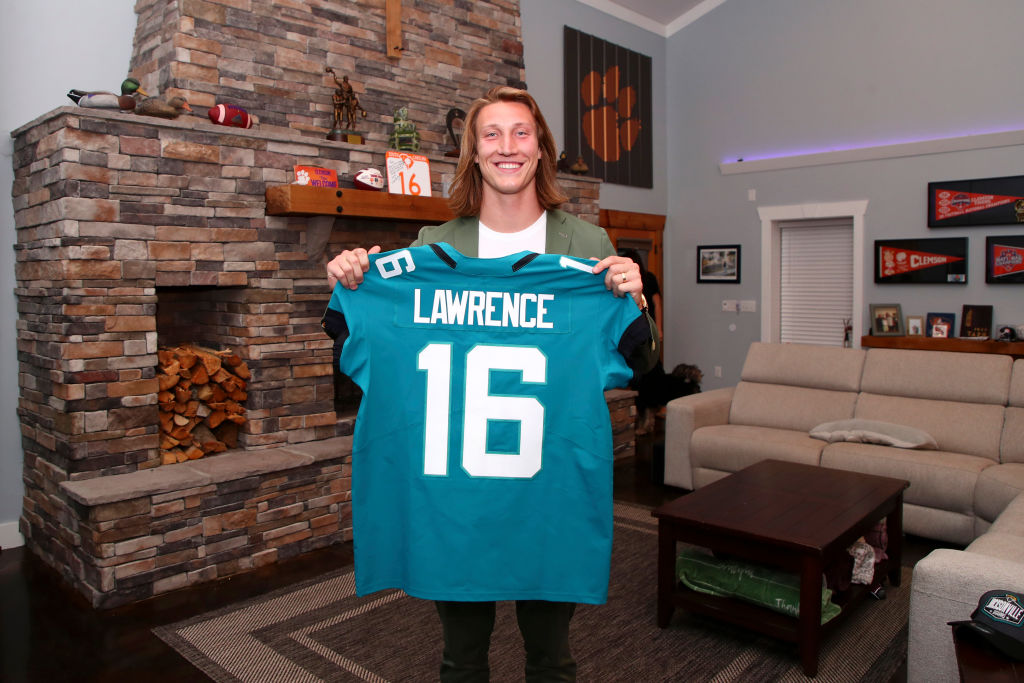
x,y
718,371
748,305
729,305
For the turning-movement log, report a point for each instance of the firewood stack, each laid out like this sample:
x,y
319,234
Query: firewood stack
x,y
201,401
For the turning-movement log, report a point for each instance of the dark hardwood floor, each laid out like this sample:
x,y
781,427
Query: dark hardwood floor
x,y
49,633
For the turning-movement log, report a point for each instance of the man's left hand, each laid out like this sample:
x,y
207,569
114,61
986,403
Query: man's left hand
x,y
622,276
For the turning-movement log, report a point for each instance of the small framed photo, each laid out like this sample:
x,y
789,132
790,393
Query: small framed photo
x,y
915,325
720,263
976,322
886,320
939,324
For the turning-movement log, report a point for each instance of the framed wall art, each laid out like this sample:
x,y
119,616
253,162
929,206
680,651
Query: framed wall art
x,y
939,324
921,261
719,263
1004,259
886,320
608,110
983,201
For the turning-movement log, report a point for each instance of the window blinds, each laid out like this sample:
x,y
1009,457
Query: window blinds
x,y
816,288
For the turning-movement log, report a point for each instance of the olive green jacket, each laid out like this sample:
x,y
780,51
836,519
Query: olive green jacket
x,y
567,235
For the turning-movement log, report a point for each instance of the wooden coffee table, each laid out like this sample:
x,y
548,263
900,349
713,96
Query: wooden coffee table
x,y
797,517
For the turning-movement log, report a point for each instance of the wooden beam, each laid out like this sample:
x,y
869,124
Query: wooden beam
x,y
393,27
304,200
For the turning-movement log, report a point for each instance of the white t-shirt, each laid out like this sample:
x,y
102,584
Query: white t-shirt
x,y
495,244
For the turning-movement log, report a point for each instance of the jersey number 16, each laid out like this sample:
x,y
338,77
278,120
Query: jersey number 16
x,y
480,407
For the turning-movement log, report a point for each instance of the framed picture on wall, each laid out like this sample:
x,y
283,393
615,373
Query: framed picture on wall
x,y
886,320
915,326
719,263
921,261
1004,259
982,201
609,122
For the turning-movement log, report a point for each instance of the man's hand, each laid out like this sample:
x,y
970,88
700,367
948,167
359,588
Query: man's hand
x,y
622,276
348,267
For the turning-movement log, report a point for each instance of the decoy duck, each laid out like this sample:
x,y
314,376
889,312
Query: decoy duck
x,y
169,109
107,100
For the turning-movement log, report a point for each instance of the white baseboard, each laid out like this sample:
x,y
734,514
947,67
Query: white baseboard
x,y
10,537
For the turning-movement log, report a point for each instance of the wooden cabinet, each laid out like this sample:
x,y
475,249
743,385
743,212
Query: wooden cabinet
x,y
640,231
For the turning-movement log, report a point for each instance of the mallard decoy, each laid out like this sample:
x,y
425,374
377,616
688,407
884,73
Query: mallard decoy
x,y
100,99
169,109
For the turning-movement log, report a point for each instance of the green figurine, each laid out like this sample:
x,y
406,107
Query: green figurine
x,y
404,137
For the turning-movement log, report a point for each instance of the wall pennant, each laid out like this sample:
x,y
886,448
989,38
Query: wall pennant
x,y
1004,259
931,261
984,201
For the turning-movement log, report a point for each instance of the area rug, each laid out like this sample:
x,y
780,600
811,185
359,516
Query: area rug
x,y
320,631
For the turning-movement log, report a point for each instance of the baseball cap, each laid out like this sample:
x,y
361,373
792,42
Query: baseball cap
x,y
999,619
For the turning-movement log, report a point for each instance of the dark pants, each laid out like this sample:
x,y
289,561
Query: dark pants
x,y
467,639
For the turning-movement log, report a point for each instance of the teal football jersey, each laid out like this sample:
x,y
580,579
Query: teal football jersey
x,y
482,457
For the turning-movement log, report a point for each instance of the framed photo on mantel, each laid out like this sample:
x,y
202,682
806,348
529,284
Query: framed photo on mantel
x,y
976,322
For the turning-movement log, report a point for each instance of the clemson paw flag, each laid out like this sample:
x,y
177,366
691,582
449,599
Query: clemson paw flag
x,y
608,110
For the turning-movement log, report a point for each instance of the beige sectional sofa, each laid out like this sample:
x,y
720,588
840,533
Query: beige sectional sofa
x,y
963,400
967,491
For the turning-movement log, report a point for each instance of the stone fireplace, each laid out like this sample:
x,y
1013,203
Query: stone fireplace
x,y
136,233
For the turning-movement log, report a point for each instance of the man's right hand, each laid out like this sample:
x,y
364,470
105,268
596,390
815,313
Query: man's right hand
x,y
348,267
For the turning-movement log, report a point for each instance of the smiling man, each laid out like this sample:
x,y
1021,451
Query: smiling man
x,y
506,195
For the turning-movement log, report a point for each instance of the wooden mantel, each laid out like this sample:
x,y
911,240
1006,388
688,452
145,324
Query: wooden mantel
x,y
1014,349
341,202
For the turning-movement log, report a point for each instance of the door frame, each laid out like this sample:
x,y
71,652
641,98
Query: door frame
x,y
771,262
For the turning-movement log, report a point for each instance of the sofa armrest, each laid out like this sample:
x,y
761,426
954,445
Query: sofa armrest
x,y
946,586
682,417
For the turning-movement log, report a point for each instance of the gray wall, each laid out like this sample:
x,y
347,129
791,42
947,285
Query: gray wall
x,y
757,79
46,48
543,23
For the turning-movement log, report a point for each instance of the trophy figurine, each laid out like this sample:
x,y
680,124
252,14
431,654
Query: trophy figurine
x,y
346,108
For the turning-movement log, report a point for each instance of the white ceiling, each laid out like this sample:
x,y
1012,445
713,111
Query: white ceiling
x,y
663,17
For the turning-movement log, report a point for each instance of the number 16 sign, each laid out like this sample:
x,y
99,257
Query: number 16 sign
x,y
408,173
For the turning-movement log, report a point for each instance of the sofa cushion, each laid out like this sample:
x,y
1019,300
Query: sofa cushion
x,y
1011,520
786,407
928,522
874,431
944,420
1016,397
804,365
730,448
938,479
997,544
997,486
1011,448
939,375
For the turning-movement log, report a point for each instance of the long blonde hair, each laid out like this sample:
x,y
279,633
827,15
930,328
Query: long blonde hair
x,y
467,188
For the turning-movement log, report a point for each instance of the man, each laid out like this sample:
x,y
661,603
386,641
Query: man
x,y
505,194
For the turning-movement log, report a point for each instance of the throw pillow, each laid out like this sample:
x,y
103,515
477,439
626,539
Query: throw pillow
x,y
874,431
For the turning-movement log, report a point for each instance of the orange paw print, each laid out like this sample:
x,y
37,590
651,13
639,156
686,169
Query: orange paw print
x,y
607,126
